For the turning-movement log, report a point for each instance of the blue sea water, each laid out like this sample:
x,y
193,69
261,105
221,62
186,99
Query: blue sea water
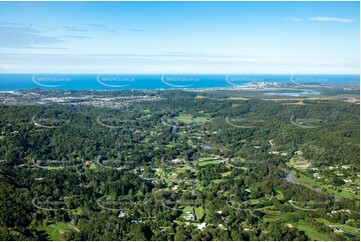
x,y
17,82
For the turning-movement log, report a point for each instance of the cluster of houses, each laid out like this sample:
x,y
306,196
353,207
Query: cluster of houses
x,y
342,210
277,153
189,216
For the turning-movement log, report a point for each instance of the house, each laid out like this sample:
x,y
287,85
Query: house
x,y
176,160
305,166
283,154
316,175
134,221
121,214
189,216
298,152
338,230
222,227
201,226
274,152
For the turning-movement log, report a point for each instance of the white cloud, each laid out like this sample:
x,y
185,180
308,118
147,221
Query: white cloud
x,y
296,19
330,19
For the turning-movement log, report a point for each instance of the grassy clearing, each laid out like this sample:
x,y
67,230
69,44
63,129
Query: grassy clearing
x,y
227,173
199,212
298,162
56,231
187,209
345,228
206,159
279,195
217,181
271,215
93,166
77,211
311,232
306,180
204,163
188,119
190,143
310,182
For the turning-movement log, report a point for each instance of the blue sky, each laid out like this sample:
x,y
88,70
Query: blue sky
x,y
180,37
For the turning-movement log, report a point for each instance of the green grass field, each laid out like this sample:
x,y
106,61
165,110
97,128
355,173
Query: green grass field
x,y
310,182
199,212
311,232
56,231
188,119
204,163
227,173
271,215
187,209
345,228
77,211
206,159
279,195
298,162
216,181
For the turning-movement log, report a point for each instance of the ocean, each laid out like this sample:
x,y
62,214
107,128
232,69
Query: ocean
x,y
17,82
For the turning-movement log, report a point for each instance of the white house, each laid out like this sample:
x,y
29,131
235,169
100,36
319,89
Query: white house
x,y
298,152
201,226
316,175
121,214
189,216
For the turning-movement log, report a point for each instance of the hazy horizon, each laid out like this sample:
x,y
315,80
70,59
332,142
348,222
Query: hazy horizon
x,y
180,37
